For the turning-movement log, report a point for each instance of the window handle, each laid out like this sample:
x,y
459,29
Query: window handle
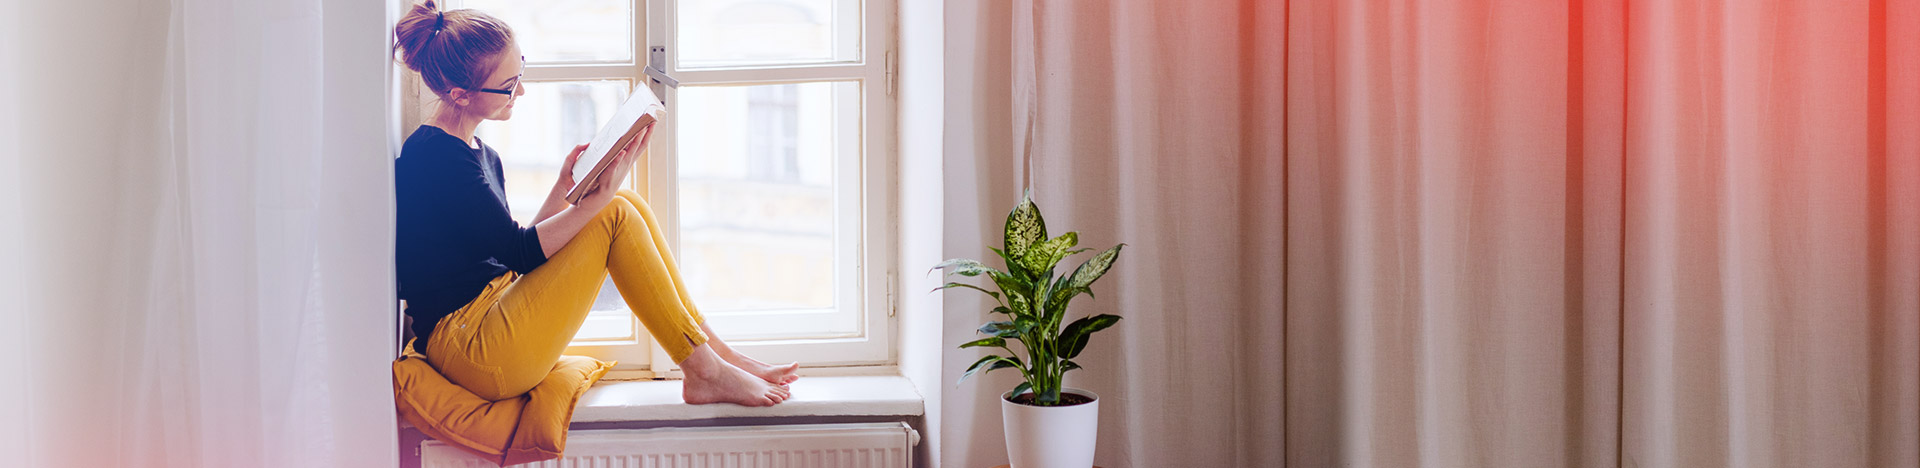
x,y
656,68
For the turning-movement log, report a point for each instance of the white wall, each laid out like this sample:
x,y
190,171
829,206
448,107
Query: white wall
x,y
13,336
922,103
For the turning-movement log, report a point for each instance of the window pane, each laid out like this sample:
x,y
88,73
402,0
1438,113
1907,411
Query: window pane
x,y
718,33
763,198
567,30
547,121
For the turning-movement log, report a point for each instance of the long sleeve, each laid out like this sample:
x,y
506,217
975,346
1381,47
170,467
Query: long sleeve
x,y
476,204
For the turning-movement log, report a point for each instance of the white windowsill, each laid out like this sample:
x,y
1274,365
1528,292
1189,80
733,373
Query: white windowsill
x,y
659,400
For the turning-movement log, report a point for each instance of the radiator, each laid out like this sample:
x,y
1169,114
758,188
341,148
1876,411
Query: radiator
x,y
855,445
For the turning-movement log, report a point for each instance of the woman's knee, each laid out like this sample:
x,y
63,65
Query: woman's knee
x,y
618,216
618,207
639,202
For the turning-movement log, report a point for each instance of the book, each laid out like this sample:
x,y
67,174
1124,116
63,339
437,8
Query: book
x,y
635,119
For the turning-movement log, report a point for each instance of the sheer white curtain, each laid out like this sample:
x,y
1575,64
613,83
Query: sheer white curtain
x,y
203,231
1477,233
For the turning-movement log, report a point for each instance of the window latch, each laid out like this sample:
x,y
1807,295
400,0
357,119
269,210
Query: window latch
x,y
656,69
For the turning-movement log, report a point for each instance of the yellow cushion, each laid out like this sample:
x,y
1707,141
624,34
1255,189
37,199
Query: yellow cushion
x,y
523,429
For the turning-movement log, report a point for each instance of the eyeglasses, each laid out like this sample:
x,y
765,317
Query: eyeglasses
x,y
510,88
508,91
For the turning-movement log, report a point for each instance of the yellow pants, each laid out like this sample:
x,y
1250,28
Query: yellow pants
x,y
508,338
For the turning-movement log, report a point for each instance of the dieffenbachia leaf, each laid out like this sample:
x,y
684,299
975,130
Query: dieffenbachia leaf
x,y
1023,325
1012,266
994,341
990,363
1063,295
996,296
1074,337
1094,268
1025,227
1018,292
1000,329
1022,388
1040,259
1061,292
1020,306
966,267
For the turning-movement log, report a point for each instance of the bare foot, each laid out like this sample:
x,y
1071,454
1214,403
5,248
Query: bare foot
x,y
781,374
778,375
710,379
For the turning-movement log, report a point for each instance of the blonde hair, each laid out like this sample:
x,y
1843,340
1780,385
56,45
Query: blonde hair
x,y
450,49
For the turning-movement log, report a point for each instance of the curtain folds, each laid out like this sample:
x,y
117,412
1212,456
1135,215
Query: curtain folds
x,y
201,269
1394,233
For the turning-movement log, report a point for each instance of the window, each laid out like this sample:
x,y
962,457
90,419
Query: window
x,y
770,173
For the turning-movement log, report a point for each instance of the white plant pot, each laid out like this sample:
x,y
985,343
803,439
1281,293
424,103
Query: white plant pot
x,y
1051,436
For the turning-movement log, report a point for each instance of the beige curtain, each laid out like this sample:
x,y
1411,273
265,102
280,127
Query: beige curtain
x,y
1158,125
1399,233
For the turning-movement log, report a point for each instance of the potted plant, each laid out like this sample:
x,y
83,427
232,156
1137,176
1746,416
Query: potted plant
x,y
1047,425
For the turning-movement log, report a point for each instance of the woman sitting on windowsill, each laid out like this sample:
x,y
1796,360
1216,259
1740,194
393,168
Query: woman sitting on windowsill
x,y
496,302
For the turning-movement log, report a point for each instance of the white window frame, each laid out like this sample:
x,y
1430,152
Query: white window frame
x,y
656,179
875,72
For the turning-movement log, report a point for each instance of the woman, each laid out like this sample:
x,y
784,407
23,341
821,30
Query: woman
x,y
494,302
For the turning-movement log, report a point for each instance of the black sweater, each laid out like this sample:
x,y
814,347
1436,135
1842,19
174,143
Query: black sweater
x,y
455,232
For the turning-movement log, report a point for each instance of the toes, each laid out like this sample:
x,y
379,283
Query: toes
x,y
786,373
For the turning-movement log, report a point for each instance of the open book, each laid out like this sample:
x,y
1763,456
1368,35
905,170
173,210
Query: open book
x,y
635,119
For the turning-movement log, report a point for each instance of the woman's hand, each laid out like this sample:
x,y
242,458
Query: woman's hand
x,y
609,182
557,199
565,182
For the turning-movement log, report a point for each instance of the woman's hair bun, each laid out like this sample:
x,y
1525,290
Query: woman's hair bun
x,y
450,49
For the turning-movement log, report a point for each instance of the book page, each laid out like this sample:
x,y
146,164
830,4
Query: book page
x,y
641,109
